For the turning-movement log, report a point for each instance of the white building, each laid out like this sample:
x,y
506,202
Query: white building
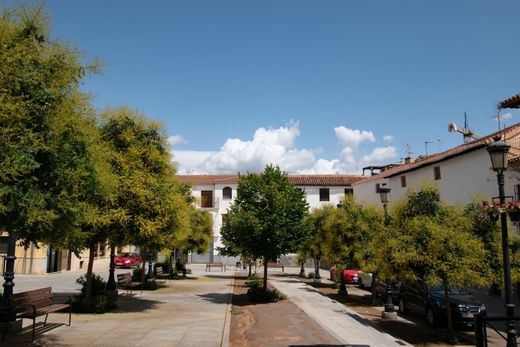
x,y
462,173
216,193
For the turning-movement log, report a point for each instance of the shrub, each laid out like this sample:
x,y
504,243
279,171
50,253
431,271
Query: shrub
x,y
311,275
102,300
136,274
257,293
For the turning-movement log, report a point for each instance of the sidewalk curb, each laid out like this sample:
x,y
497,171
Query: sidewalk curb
x,y
227,320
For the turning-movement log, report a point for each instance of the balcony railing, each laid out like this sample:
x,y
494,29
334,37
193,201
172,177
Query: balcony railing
x,y
207,205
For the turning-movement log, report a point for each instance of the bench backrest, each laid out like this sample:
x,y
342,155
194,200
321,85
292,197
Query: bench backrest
x,y
38,297
124,277
158,270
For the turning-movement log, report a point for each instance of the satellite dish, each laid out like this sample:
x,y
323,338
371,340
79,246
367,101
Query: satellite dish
x,y
452,127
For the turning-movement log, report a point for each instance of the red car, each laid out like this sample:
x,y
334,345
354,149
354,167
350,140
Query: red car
x,y
128,259
350,276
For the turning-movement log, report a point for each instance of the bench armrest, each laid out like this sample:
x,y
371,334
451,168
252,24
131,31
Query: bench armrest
x,y
68,297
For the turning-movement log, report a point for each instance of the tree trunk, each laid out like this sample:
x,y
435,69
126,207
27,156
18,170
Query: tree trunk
x,y
88,284
448,308
249,263
265,273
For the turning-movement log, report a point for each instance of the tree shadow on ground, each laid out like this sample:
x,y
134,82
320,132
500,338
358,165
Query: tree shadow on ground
x,y
23,338
133,303
217,298
422,334
224,277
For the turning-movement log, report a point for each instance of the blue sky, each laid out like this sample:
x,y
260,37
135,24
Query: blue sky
x,y
313,86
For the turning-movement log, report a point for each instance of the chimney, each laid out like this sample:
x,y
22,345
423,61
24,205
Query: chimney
x,y
408,160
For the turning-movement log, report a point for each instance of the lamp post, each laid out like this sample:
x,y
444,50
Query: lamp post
x,y
498,152
6,314
111,284
342,286
150,275
389,311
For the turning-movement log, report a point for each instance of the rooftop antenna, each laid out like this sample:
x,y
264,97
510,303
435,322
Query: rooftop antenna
x,y
468,135
426,143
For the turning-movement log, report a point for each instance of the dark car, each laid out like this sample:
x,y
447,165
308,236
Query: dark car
x,y
429,300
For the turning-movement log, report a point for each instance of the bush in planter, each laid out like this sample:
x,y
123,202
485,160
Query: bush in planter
x,y
311,275
257,293
101,299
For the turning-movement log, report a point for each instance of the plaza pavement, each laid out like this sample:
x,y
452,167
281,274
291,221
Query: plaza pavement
x,y
189,312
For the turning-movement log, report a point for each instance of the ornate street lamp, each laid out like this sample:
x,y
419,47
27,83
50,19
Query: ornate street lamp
x,y
342,286
6,314
111,284
389,311
498,152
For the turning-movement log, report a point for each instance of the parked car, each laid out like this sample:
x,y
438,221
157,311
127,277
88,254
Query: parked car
x,y
429,300
365,282
350,276
128,259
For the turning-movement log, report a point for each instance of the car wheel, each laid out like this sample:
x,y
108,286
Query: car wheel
x,y
402,306
430,317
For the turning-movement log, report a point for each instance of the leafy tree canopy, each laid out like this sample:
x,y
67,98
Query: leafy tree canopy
x,y
269,217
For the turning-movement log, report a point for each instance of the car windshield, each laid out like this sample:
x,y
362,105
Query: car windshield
x,y
125,255
440,290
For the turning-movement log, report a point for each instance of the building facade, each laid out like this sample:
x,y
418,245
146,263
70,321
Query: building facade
x,y
216,193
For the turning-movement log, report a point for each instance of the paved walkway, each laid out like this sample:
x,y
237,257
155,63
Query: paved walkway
x,y
190,312
348,327
187,312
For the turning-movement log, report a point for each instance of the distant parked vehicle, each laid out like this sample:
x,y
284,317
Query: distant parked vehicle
x,y
365,282
350,276
429,300
128,259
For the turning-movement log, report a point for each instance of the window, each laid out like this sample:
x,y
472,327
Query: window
x,y
3,244
324,194
227,193
349,191
403,181
206,198
437,173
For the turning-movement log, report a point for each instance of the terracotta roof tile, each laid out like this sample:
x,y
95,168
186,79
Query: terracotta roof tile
x,y
207,179
512,102
510,134
297,180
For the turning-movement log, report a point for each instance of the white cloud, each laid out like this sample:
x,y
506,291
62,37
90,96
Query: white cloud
x,y
504,116
176,140
380,155
352,137
388,138
268,146
277,146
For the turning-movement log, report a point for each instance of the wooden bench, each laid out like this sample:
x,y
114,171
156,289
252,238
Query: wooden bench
x,y
36,303
124,280
222,266
275,265
159,273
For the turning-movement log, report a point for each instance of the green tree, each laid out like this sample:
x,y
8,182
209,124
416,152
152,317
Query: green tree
x,y
348,231
435,243
269,217
155,205
44,153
